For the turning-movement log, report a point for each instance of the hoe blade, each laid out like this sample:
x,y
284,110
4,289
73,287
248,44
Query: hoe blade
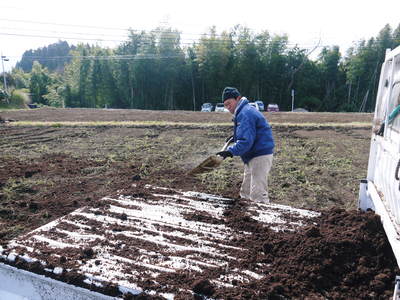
x,y
207,165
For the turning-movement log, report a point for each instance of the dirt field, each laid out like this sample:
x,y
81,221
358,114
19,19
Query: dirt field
x,y
44,166
49,170
90,115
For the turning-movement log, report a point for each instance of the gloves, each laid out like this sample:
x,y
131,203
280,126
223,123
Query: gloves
x,y
225,154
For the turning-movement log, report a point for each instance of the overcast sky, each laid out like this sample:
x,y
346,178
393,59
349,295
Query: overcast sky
x,y
336,22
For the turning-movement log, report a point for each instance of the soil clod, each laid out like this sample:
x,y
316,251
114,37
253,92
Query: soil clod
x,y
88,252
136,177
203,287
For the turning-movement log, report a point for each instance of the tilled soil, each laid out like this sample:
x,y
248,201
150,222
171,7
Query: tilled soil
x,y
336,255
48,172
24,205
343,255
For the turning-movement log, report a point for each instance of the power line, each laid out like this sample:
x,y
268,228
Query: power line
x,y
105,57
141,42
61,24
189,41
112,35
105,28
64,32
93,27
101,34
58,37
85,33
91,39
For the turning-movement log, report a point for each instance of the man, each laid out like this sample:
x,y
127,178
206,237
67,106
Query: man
x,y
253,142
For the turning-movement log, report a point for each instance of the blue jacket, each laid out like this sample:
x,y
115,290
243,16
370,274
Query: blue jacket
x,y
252,133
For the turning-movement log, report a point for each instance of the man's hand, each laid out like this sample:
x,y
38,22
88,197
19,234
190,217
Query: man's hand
x,y
225,154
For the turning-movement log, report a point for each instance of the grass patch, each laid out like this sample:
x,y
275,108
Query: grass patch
x,y
14,189
94,170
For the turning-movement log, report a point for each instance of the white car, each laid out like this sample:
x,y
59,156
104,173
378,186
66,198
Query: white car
x,y
273,107
220,108
260,105
255,104
207,107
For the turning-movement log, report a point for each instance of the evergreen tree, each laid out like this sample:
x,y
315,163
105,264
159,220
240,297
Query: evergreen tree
x,y
53,57
39,83
151,70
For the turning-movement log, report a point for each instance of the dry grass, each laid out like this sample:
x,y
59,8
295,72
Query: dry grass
x,y
140,124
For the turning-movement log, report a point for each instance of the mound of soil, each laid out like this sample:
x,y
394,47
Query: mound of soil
x,y
337,255
343,255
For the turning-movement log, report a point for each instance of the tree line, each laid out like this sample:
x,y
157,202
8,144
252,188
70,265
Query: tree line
x,y
155,70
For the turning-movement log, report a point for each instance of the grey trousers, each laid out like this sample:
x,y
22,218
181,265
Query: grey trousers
x,y
255,179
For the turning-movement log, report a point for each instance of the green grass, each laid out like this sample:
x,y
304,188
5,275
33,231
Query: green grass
x,y
10,106
14,188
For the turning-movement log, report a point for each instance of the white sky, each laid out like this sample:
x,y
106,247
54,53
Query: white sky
x,y
338,22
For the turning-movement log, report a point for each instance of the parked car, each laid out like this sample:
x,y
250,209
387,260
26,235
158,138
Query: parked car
x,y
32,105
255,104
272,107
300,110
207,107
260,105
219,107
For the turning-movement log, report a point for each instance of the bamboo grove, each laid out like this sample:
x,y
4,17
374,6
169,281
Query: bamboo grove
x,y
159,70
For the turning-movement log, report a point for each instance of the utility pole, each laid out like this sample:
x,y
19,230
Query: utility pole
x,y
292,99
191,56
193,89
3,59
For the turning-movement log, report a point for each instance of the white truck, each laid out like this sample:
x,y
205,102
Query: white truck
x,y
380,191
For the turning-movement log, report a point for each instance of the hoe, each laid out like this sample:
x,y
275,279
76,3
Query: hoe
x,y
211,162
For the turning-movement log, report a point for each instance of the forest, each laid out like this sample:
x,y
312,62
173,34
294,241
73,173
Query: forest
x,y
157,70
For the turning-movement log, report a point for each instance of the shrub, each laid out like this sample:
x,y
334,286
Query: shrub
x,y
19,99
